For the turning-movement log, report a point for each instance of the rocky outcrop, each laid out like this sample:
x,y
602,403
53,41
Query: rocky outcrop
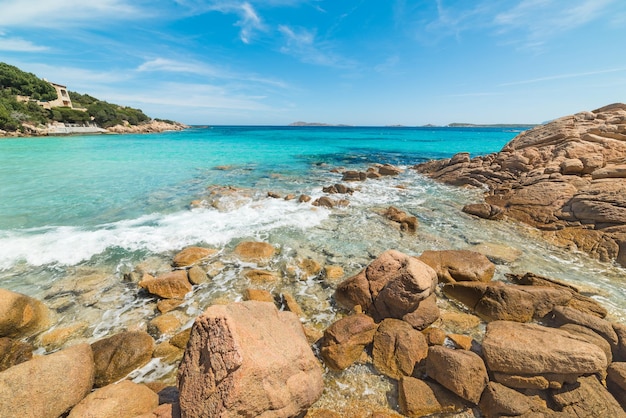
x,y
398,348
248,359
459,265
567,178
152,126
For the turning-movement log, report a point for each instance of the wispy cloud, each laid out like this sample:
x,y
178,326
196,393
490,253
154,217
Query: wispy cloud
x,y
66,13
249,20
19,45
540,20
205,70
302,44
563,76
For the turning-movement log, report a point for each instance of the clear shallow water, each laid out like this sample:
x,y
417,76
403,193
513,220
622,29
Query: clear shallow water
x,y
76,213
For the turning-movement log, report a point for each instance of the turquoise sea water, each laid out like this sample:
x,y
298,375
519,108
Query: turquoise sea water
x,y
77,213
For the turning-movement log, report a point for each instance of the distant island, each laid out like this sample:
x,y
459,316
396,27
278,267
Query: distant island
x,y
496,125
31,106
315,124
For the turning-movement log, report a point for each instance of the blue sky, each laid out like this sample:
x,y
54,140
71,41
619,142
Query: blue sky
x,y
358,62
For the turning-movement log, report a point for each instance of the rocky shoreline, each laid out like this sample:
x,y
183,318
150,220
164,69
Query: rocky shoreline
x,y
566,178
153,126
444,336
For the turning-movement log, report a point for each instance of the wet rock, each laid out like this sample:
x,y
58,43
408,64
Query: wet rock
x,y
325,202
531,350
426,313
338,188
497,253
464,342
255,251
58,336
274,195
355,291
13,352
459,322
484,210
260,276
196,275
165,324
258,295
587,398
345,340
291,304
389,170
167,352
309,268
398,348
173,285
124,399
406,222
459,265
120,354
181,338
460,371
304,198
333,273
418,398
167,305
352,175
21,315
192,255
47,386
248,359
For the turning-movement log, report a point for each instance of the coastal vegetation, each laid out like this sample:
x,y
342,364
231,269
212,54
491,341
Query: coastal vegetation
x,y
23,96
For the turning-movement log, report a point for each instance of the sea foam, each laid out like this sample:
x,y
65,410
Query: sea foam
x,y
156,233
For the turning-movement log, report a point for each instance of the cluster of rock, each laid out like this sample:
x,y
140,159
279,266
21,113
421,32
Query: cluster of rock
x,y
153,126
567,178
558,369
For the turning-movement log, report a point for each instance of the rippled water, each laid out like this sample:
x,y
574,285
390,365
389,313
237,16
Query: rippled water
x,y
78,213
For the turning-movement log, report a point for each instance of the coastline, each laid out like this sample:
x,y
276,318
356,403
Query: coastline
x,y
60,129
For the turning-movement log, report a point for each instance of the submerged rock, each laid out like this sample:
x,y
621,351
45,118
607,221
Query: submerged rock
x,y
21,315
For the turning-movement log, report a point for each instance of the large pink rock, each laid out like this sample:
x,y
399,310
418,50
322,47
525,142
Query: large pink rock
x,y
47,386
398,348
118,400
248,359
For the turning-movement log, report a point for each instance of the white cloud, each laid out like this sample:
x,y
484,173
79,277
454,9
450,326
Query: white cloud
x,y
249,20
63,13
302,44
543,19
563,76
20,45
205,70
